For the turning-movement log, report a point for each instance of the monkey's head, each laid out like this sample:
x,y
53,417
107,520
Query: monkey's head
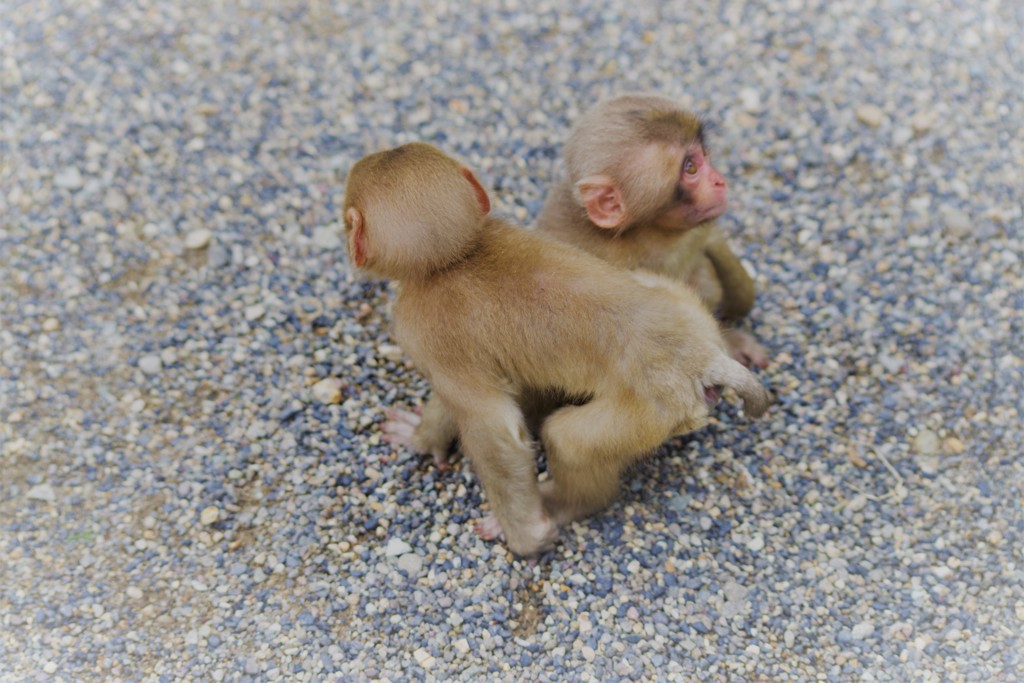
x,y
411,211
642,159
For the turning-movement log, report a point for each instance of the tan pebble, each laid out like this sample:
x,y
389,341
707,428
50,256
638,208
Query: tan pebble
x,y
954,445
209,515
423,658
871,115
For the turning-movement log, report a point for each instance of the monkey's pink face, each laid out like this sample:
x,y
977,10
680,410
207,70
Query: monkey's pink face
x,y
700,193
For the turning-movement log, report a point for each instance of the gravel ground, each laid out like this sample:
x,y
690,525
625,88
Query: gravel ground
x,y
192,378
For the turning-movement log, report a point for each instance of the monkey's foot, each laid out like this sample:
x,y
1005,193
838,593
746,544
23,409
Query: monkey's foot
x,y
488,528
744,348
400,430
531,538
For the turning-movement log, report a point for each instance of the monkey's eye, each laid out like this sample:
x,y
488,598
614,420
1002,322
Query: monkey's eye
x,y
689,166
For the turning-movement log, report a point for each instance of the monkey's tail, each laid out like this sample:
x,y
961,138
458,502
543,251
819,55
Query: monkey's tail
x,y
729,373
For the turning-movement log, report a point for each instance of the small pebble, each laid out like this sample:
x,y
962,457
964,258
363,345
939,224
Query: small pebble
x,y
424,658
396,547
390,352
871,115
255,312
151,365
198,239
327,238
957,222
328,390
862,630
411,563
209,515
69,178
926,442
923,121
42,492
750,100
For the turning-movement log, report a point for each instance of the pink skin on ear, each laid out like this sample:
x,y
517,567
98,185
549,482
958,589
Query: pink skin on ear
x,y
481,193
602,201
357,237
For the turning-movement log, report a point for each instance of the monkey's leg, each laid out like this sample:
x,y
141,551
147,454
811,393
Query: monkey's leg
x,y
433,432
495,440
588,447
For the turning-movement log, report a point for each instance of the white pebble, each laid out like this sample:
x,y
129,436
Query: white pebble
x,y
43,492
133,593
396,547
862,630
390,352
957,222
198,239
50,667
326,238
151,365
328,390
871,115
922,121
756,543
857,503
839,154
69,179
254,312
926,442
423,658
410,563
750,100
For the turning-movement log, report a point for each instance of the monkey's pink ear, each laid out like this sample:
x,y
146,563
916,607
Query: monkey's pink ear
x,y
602,200
357,236
481,193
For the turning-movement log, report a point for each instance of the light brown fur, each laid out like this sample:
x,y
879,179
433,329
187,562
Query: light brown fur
x,y
635,145
515,315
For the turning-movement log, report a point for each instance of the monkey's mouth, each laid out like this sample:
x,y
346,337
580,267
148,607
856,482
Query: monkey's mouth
x,y
712,395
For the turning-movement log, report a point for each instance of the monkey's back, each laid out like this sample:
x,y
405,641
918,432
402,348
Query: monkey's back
x,y
529,311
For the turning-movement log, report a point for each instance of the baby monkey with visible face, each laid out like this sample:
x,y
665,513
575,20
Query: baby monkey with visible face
x,y
495,316
641,192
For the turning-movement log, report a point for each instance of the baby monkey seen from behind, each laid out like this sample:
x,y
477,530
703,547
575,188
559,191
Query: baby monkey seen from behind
x,y
493,314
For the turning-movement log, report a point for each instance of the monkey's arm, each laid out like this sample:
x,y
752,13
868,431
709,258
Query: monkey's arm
x,y
738,290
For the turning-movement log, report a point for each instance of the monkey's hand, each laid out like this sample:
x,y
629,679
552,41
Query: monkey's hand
x,y
745,348
403,428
